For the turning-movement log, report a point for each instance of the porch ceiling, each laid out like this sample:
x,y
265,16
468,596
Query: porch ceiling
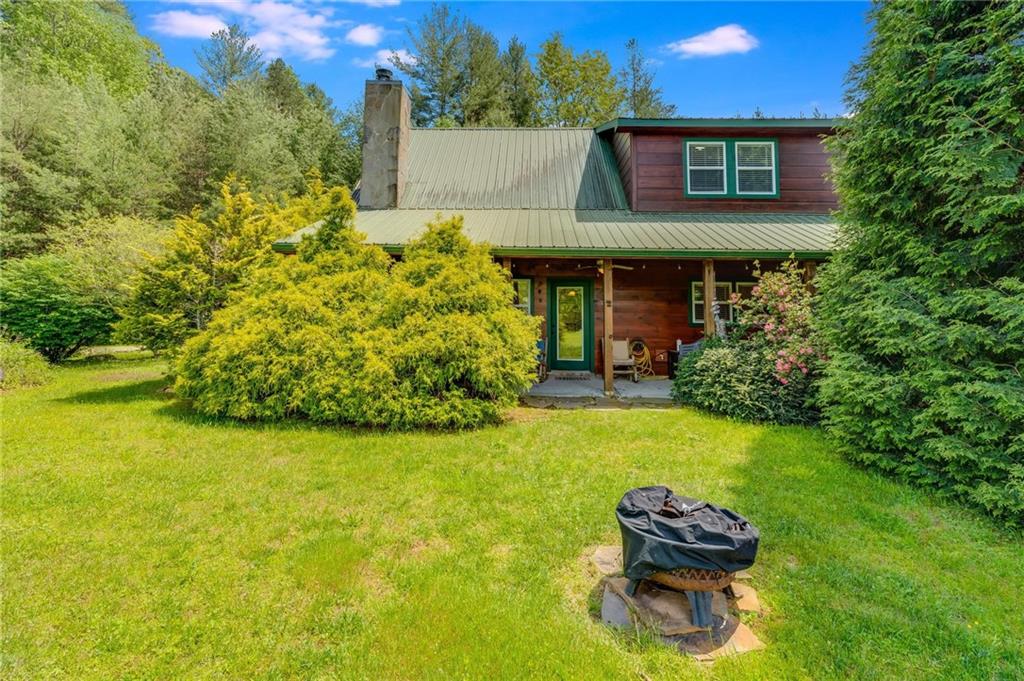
x,y
621,233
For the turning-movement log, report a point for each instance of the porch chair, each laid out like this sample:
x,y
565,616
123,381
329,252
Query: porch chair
x,y
623,362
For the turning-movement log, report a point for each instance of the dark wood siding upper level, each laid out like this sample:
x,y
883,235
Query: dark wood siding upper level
x,y
658,173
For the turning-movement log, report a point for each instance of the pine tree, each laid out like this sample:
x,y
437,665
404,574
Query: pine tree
x,y
284,88
482,102
519,85
643,100
228,57
438,71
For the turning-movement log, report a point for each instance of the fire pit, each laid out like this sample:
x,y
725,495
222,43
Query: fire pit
x,y
684,544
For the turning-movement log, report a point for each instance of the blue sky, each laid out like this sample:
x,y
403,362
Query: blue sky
x,y
712,59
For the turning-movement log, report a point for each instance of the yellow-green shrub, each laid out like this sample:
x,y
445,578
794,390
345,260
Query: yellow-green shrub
x,y
21,366
338,335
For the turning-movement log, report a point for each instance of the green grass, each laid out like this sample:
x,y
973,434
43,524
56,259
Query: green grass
x,y
142,541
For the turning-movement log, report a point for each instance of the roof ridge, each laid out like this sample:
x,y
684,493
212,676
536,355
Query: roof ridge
x,y
498,127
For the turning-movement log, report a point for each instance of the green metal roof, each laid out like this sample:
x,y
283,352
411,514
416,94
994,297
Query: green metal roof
x,y
513,168
617,123
562,232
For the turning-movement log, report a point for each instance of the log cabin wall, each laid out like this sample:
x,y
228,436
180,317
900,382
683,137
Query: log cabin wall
x,y
650,301
657,172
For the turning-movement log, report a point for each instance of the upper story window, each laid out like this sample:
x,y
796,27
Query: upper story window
x,y
705,167
755,167
731,168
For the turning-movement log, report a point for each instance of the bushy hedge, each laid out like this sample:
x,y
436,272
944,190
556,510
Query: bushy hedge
x,y
43,302
21,366
738,379
339,335
767,369
923,308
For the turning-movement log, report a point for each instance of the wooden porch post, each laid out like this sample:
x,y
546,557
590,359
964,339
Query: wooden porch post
x,y
507,263
810,271
609,326
709,298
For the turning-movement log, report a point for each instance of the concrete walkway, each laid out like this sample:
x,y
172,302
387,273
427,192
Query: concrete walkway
x,y
589,392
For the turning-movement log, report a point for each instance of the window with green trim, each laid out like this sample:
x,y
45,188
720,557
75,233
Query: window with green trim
x,y
523,295
723,295
724,291
755,168
731,168
705,168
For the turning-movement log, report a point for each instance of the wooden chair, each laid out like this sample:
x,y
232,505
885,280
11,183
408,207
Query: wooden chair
x,y
623,362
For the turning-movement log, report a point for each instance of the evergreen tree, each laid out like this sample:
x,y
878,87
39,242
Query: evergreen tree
x,y
439,68
483,103
519,85
923,305
284,88
643,99
228,57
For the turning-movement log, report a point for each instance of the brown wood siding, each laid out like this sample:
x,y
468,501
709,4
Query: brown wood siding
x,y
651,301
621,143
803,164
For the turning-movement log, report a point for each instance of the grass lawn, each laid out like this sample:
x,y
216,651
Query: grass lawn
x,y
142,541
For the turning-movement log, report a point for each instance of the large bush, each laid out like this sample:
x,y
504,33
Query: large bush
x,y
43,301
768,369
923,307
338,335
174,294
20,365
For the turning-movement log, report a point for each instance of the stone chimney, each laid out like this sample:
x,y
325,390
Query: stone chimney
x,y
386,121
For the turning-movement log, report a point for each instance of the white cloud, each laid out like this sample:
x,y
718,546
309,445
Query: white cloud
x,y
181,24
728,39
376,3
366,35
279,28
383,58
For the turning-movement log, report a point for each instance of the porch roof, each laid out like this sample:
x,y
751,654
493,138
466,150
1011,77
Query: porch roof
x,y
622,233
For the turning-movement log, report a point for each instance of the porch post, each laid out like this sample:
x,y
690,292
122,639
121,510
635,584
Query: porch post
x,y
709,298
810,271
506,262
606,349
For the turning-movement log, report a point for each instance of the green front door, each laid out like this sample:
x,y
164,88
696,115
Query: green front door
x,y
571,324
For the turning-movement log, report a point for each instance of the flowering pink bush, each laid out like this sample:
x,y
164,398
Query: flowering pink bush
x,y
778,312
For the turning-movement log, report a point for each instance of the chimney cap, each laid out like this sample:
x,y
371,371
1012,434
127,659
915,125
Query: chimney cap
x,y
384,73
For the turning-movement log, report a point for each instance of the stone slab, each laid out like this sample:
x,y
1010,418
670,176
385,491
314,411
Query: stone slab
x,y
608,560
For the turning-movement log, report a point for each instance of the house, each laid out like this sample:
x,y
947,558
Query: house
x,y
609,232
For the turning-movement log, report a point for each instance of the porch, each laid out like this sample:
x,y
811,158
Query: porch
x,y
589,390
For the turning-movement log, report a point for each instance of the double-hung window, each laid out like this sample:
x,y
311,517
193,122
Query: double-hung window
x,y
731,168
705,168
723,296
755,168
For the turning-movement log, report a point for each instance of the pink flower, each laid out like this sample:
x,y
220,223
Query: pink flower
x,y
783,381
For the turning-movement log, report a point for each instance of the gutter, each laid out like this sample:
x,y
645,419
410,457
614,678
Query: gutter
x,y
535,252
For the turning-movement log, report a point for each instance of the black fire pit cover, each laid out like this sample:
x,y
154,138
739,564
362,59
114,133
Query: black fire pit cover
x,y
661,532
